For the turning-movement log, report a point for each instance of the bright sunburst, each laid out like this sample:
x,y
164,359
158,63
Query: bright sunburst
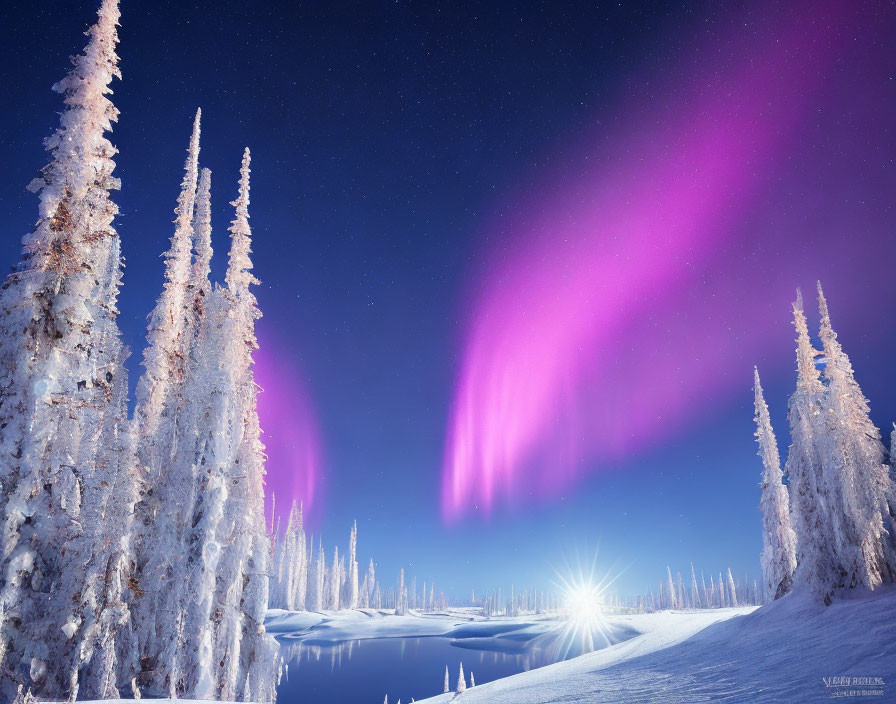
x,y
583,604
585,627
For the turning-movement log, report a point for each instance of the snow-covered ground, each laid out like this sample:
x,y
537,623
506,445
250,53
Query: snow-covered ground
x,y
780,652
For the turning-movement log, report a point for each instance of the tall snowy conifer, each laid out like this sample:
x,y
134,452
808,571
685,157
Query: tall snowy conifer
x,y
300,582
247,672
854,458
890,524
815,502
334,582
371,581
186,661
68,486
205,447
695,592
732,592
165,357
166,506
673,602
353,567
319,599
778,557
679,591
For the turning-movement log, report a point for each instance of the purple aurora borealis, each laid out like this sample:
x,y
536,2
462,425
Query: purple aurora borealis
x,y
630,290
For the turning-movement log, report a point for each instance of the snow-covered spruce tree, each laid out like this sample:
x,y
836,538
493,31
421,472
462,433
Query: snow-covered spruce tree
x,y
353,586
183,662
679,591
248,665
206,447
447,687
826,553
461,682
371,581
854,457
673,603
778,557
334,582
276,599
63,424
289,581
695,592
300,580
890,521
363,600
732,592
319,601
165,507
401,608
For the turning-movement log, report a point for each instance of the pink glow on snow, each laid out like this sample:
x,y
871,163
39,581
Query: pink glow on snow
x,y
610,310
290,431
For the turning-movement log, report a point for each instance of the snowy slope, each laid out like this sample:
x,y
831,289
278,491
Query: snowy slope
x,y
779,652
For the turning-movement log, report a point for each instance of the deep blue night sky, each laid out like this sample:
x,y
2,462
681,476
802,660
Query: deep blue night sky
x,y
384,136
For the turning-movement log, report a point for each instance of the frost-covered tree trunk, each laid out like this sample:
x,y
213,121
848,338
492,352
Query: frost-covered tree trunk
x,y
63,425
778,557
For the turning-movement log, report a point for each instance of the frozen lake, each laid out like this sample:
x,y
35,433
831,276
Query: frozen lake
x,y
366,670
405,657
